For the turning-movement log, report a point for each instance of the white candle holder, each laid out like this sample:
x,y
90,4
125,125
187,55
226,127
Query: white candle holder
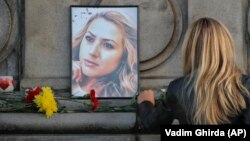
x,y
6,83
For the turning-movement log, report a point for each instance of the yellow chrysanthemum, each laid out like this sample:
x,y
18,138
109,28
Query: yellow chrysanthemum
x,y
45,101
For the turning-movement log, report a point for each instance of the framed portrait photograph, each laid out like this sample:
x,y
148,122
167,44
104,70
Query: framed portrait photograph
x,y
104,51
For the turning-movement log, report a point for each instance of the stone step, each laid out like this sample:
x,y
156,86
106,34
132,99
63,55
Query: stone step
x,y
117,122
79,137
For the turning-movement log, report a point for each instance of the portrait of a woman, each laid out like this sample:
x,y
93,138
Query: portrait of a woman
x,y
104,56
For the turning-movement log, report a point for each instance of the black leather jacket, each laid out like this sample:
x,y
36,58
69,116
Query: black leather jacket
x,y
150,117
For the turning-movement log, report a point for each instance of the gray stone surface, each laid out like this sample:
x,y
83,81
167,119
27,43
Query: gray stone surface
x,y
13,64
5,23
155,82
9,39
56,83
172,67
67,123
167,50
9,28
149,137
47,42
47,39
231,12
47,34
161,70
3,68
69,137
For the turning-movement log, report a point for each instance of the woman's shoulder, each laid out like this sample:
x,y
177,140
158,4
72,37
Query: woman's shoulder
x,y
245,77
176,84
246,81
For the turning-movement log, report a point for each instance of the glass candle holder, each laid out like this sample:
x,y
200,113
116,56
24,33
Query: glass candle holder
x,y
6,83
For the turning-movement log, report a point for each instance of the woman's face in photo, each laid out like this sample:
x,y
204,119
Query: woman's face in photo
x,y
101,49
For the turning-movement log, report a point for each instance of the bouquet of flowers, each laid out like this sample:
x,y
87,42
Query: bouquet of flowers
x,y
43,99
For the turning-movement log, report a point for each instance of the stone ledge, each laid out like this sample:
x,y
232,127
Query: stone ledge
x,y
153,137
56,83
70,137
80,137
68,123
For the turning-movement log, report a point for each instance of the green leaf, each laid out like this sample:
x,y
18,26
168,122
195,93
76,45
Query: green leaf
x,y
86,96
133,100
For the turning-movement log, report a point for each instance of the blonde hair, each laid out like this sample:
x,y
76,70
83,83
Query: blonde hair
x,y
122,83
210,62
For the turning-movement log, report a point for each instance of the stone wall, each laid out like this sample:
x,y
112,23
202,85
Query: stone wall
x,y
42,57
47,33
10,41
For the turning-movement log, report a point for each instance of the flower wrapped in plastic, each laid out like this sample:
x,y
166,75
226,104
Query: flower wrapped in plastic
x,y
44,100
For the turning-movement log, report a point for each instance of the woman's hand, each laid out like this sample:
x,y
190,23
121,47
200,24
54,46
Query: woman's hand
x,y
146,95
76,71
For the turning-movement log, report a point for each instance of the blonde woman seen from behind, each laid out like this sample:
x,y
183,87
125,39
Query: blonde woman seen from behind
x,y
213,89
